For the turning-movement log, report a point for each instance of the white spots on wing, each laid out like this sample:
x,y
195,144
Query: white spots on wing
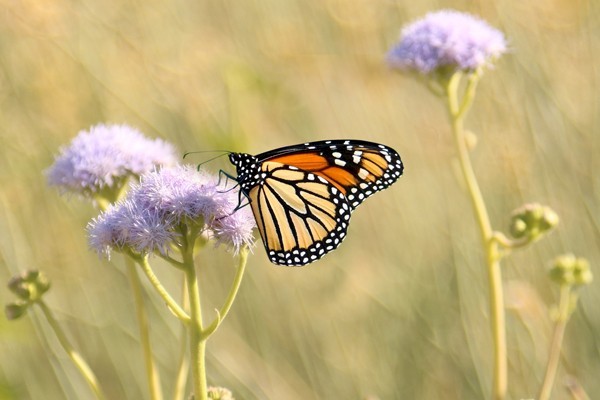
x,y
339,162
363,173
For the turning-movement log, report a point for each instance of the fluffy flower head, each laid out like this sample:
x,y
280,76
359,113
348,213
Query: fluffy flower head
x,y
446,39
147,220
104,155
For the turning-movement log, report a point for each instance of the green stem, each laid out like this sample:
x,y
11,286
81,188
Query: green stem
x,y
171,303
197,343
235,286
182,370
556,344
183,363
510,244
151,372
457,114
79,362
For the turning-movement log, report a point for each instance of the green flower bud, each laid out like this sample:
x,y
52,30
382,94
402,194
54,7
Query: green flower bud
x,y
582,273
570,270
29,286
15,310
219,393
19,287
532,220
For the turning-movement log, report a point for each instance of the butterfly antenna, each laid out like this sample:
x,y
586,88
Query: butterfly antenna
x,y
225,152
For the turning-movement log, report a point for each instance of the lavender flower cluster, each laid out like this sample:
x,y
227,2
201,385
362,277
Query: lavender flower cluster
x,y
149,218
100,157
446,38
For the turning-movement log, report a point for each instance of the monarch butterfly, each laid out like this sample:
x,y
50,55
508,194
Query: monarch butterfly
x,y
302,195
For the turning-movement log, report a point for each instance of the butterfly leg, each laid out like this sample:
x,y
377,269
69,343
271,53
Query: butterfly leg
x,y
227,177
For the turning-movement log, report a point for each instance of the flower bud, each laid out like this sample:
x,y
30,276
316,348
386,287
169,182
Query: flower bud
x,y
532,220
219,393
570,270
19,287
582,273
15,310
29,285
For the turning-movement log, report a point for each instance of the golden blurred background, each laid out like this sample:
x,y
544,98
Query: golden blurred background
x,y
400,310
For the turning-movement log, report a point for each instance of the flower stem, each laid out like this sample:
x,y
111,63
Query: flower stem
x,y
197,343
457,114
171,303
151,372
235,286
556,344
79,362
182,370
183,362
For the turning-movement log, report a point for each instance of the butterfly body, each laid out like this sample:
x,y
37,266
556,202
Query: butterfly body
x,y
302,196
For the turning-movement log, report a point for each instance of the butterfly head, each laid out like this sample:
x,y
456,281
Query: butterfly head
x,y
248,168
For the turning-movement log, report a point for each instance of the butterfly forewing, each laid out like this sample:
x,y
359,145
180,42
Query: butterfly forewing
x,y
357,168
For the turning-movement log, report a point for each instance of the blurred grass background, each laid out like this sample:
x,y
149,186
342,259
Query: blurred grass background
x,y
400,310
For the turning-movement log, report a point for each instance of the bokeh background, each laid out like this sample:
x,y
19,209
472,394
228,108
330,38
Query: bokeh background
x,y
400,310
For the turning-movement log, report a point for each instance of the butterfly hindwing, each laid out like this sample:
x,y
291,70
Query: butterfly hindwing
x,y
300,216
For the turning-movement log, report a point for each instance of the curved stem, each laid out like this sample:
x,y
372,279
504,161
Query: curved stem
x,y
79,362
509,243
556,344
457,114
171,303
469,94
235,286
104,201
151,372
177,264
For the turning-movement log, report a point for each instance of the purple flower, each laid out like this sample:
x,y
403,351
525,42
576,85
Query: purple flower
x,y
149,218
235,230
104,155
446,39
182,192
125,224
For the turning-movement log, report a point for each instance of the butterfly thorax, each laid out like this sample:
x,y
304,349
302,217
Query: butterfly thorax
x,y
248,168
